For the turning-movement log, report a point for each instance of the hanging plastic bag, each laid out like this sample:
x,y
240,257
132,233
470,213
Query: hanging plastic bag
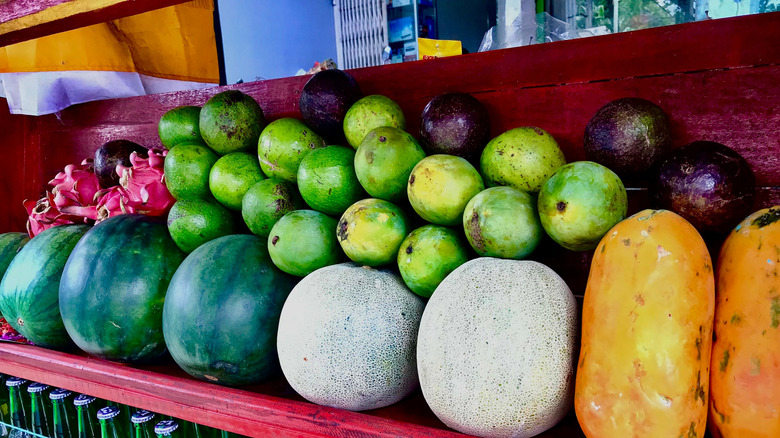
x,y
168,49
544,29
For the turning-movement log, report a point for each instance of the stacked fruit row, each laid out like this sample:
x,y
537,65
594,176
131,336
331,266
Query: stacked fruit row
x,y
353,336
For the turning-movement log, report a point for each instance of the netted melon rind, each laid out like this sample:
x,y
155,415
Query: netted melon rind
x,y
347,337
496,348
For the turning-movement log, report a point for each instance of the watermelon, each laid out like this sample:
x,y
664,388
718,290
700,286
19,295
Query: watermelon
x,y
113,287
10,245
29,290
222,311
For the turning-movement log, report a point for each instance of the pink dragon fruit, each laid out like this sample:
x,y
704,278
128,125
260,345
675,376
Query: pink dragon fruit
x,y
44,214
75,188
110,203
77,197
142,186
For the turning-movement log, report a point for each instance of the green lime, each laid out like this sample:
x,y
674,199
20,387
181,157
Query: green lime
x,y
282,146
303,241
232,176
369,113
193,222
187,168
327,180
180,125
266,202
231,121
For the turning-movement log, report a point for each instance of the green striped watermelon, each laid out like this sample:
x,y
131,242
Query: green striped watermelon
x,y
222,311
113,287
10,245
29,290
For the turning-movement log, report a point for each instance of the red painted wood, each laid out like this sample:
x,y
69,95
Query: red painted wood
x,y
694,101
16,183
277,411
14,9
11,10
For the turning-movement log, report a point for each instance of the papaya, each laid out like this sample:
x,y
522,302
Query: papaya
x,y
745,376
647,318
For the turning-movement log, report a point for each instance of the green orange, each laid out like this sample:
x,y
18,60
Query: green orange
x,y
193,222
266,202
187,168
232,176
327,180
179,125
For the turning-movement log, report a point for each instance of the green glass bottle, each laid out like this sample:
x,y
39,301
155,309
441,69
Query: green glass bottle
x,y
86,416
4,408
126,413
143,424
112,425
39,422
63,416
195,430
16,407
168,428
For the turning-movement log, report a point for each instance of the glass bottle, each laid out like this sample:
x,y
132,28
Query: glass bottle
x,y
63,418
86,417
38,413
168,428
126,413
4,408
16,407
112,425
143,424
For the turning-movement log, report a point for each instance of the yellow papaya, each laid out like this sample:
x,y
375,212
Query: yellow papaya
x,y
647,317
745,376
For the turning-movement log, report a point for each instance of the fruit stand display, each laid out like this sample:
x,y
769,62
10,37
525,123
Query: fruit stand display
x,y
716,80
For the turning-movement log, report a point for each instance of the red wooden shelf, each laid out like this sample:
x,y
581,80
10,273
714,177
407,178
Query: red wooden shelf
x,y
22,20
270,409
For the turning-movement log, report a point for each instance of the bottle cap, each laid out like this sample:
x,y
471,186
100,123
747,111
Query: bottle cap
x,y
37,388
15,381
59,394
83,400
165,427
107,413
141,416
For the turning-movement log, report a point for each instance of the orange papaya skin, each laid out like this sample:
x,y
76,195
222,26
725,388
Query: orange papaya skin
x,y
745,376
646,331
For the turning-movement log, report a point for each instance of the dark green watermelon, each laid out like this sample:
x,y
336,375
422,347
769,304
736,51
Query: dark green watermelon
x,y
222,311
10,245
113,287
29,296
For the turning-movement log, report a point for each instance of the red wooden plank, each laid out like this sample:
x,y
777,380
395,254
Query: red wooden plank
x,y
22,20
236,410
12,10
14,183
695,103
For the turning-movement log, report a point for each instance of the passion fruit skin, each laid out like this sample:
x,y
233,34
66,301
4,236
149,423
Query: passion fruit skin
x,y
455,124
628,136
707,183
325,99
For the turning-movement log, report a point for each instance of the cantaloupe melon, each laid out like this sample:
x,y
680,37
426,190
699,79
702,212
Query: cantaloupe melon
x,y
347,337
495,351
